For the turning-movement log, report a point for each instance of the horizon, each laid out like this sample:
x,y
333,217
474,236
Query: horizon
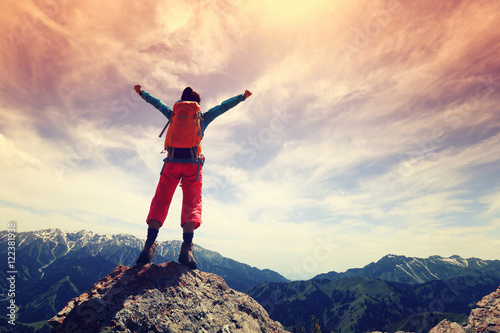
x,y
373,128
264,268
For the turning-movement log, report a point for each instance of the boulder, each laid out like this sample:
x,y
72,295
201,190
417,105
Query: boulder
x,y
485,318
163,298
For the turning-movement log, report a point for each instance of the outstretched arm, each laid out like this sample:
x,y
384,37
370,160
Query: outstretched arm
x,y
157,103
216,111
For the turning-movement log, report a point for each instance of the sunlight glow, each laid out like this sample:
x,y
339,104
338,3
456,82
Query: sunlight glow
x,y
291,9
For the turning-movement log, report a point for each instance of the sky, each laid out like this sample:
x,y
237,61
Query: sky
x,y
373,128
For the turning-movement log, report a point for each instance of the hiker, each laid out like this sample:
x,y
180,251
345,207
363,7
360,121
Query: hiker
x,y
184,162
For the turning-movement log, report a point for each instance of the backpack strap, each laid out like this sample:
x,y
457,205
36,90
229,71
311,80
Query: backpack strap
x,y
198,123
164,128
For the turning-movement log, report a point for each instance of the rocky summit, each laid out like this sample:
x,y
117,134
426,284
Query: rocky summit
x,y
163,298
485,318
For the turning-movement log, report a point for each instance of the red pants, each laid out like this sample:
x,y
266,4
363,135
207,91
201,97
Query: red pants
x,y
191,192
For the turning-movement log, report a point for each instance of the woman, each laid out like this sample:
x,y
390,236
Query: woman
x,y
183,164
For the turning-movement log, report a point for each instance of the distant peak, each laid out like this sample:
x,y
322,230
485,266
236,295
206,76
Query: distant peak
x,y
394,257
455,260
435,257
48,231
455,256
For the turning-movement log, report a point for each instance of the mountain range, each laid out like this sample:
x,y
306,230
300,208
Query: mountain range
x,y
394,293
416,270
54,266
362,304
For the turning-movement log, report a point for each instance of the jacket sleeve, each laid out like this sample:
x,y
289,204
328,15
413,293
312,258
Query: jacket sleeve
x,y
157,103
216,111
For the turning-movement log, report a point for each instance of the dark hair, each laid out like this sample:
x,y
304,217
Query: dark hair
x,y
190,95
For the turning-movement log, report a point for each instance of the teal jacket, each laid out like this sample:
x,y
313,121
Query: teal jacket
x,y
207,117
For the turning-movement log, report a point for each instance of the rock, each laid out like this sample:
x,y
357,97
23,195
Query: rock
x,y
446,326
163,298
483,319
486,317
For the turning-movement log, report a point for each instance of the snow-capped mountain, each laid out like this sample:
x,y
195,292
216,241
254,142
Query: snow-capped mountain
x,y
46,246
54,265
417,270
42,249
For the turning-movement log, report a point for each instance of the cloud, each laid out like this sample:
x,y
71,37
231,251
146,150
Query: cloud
x,y
372,128
13,158
492,202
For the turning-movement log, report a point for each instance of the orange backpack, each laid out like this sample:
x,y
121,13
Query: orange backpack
x,y
184,129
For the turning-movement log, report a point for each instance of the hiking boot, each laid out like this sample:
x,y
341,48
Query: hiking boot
x,y
146,255
186,256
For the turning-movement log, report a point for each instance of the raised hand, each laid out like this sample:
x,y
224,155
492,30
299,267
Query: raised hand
x,y
138,88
